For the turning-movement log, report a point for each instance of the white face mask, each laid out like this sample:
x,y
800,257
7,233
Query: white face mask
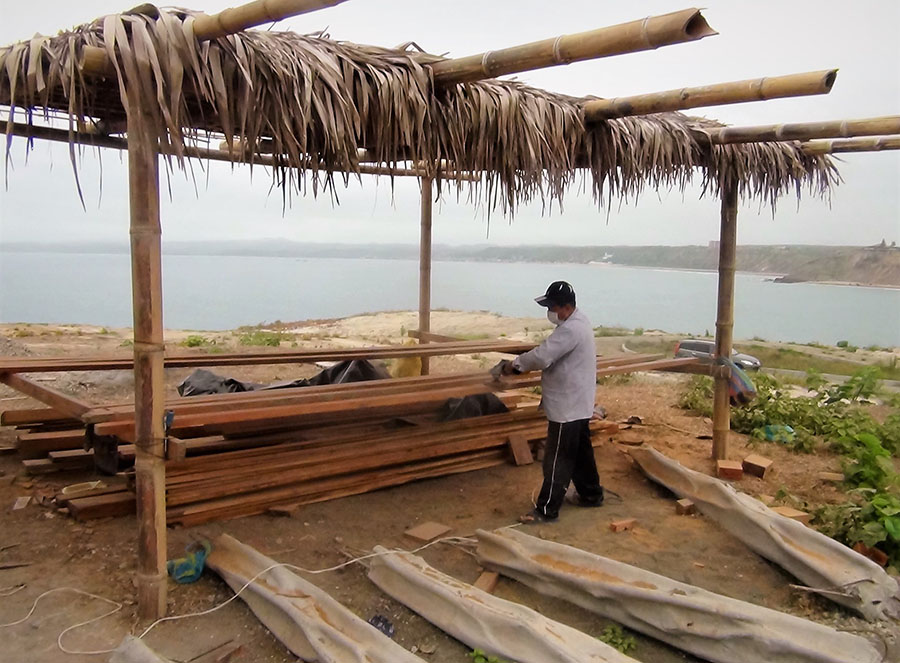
x,y
552,317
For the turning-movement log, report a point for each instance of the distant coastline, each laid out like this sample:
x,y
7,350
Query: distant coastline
x,y
873,266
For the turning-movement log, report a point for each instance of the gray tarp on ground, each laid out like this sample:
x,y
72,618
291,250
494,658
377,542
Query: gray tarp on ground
x,y
304,618
820,562
482,621
711,626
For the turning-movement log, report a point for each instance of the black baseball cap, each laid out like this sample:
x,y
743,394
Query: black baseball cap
x,y
558,293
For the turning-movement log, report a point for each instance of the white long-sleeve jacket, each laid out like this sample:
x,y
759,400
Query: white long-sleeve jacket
x,y
568,359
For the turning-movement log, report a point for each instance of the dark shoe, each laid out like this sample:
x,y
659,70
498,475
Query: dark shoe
x,y
535,517
578,500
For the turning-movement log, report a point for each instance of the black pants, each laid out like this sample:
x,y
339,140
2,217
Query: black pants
x,y
568,456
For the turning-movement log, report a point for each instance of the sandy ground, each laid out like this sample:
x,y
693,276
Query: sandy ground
x,y
99,556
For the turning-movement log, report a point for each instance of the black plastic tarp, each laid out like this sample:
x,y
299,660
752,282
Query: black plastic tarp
x,y
202,381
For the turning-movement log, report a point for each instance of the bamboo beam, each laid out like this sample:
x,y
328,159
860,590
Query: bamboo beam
x,y
641,35
425,265
734,92
725,316
95,61
877,144
115,143
149,386
875,126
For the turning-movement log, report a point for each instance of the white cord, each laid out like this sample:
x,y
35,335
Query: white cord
x,y
301,569
84,623
203,612
12,589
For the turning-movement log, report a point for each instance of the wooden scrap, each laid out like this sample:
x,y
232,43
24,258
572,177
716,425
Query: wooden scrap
x,y
521,452
793,514
487,581
729,469
757,465
21,502
622,525
685,507
427,532
873,553
13,565
830,477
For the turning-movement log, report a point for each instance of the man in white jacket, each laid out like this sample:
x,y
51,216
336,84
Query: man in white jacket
x,y
568,359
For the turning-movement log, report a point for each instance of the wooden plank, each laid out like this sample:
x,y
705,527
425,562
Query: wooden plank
x,y
521,452
120,503
37,445
431,337
56,399
31,416
14,365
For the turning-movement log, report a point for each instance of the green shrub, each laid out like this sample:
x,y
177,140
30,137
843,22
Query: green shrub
x,y
638,331
478,656
698,396
196,341
618,638
267,338
842,344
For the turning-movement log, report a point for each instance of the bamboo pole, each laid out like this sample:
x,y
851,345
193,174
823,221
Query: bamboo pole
x,y
149,391
425,265
725,315
851,145
115,143
642,35
875,126
734,92
95,61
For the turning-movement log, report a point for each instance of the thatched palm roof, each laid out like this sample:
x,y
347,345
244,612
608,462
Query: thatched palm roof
x,y
320,100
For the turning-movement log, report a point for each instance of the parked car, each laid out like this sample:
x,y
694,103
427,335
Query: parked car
x,y
706,352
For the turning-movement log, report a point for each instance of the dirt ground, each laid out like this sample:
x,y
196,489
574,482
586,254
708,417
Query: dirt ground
x,y
99,556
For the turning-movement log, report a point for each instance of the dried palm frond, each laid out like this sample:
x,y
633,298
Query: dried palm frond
x,y
315,102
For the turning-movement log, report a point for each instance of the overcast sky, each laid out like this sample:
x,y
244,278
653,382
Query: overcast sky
x,y
760,38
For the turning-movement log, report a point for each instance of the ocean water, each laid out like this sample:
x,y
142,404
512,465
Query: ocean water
x,y
223,292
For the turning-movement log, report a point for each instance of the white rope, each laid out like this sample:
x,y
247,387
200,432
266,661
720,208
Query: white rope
x,y
302,570
456,539
84,623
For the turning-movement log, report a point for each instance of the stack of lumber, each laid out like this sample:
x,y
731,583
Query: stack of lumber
x,y
251,481
237,454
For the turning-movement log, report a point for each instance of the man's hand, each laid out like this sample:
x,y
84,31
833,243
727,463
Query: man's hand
x,y
503,367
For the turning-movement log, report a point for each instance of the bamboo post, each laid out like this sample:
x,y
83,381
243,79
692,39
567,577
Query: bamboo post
x,y
734,92
875,126
725,315
425,265
95,62
149,396
877,144
641,35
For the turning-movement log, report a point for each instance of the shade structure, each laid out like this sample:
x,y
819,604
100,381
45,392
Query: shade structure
x,y
523,143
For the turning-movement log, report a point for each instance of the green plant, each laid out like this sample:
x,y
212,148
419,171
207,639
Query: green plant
x,y
260,337
127,343
698,396
618,638
638,331
479,656
842,344
196,341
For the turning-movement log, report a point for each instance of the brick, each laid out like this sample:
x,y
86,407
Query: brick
x,y
874,554
520,450
832,477
427,531
792,513
756,465
622,525
487,581
685,507
729,469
